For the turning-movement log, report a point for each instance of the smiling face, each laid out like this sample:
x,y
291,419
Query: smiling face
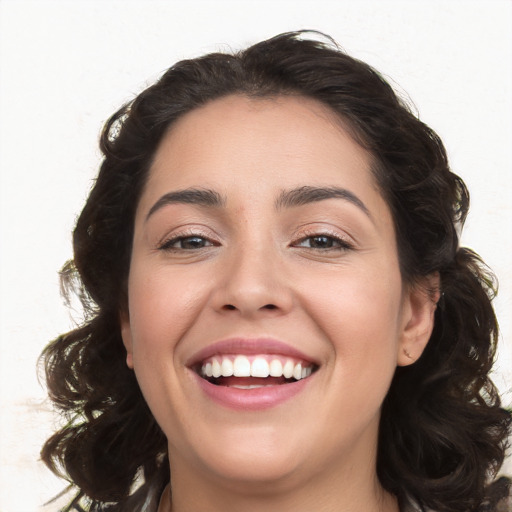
x,y
261,240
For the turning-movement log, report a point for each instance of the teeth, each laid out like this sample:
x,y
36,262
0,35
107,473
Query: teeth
x,y
261,366
276,368
216,370
227,367
241,367
238,386
287,369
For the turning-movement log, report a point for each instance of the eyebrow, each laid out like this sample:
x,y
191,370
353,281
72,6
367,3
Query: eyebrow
x,y
196,196
308,194
287,198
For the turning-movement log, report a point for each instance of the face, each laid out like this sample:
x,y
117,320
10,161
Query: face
x,y
263,248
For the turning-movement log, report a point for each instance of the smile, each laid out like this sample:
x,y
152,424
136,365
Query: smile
x,y
251,374
265,370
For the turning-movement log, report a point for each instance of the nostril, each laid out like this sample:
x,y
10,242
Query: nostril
x,y
230,307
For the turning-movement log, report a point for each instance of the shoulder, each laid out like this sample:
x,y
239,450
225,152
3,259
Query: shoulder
x,y
503,505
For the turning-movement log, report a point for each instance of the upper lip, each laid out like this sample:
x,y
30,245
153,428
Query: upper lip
x,y
248,346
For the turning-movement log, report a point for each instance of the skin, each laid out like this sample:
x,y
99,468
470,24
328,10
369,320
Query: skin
x,y
259,273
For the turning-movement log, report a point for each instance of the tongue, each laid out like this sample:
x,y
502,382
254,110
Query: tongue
x,y
249,381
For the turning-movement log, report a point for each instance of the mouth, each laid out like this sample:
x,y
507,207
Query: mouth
x,y
253,371
251,374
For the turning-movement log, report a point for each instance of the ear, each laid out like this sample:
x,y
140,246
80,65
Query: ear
x,y
420,302
126,334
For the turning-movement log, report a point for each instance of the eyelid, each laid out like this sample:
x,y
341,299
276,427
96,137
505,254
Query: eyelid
x,y
188,232
346,242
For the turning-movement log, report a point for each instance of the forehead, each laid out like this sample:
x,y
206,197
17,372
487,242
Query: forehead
x,y
238,143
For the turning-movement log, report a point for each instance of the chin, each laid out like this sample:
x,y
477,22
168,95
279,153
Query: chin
x,y
255,471
251,456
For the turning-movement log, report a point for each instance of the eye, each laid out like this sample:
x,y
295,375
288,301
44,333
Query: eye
x,y
186,243
323,242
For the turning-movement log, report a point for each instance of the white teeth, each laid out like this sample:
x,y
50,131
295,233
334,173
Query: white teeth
x,y
241,367
288,369
276,368
227,367
216,370
238,386
260,368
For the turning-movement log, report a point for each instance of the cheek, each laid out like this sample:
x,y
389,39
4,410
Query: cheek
x,y
359,313
163,305
356,314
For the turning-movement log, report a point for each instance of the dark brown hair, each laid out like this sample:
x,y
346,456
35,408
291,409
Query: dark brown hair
x,y
443,432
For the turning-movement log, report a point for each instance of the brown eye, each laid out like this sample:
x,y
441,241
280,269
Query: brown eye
x,y
186,243
322,242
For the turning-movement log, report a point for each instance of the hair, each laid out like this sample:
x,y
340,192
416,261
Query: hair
x,y
443,432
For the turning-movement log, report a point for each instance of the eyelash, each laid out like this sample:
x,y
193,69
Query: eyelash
x,y
167,245
337,243
341,243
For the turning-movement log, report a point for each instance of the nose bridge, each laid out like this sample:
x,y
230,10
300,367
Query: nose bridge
x,y
252,280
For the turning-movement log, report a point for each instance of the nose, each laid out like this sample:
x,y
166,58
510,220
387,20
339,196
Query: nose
x,y
253,283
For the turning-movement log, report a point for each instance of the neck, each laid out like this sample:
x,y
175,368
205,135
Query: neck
x,y
352,490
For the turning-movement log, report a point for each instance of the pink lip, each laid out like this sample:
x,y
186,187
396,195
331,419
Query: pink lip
x,y
248,347
251,399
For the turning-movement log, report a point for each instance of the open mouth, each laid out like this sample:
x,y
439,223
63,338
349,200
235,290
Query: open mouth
x,y
253,371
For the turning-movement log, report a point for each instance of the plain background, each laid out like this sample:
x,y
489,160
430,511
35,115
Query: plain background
x,y
67,65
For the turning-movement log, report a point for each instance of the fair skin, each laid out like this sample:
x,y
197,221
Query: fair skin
x,y
319,274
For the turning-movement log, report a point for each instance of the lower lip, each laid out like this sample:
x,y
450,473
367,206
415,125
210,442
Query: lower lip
x,y
251,399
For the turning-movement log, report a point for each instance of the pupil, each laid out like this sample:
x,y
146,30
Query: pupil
x,y
194,242
322,242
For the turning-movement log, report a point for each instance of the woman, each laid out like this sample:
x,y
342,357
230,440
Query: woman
x,y
280,315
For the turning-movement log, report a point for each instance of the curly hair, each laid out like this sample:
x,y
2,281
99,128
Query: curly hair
x,y
443,432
